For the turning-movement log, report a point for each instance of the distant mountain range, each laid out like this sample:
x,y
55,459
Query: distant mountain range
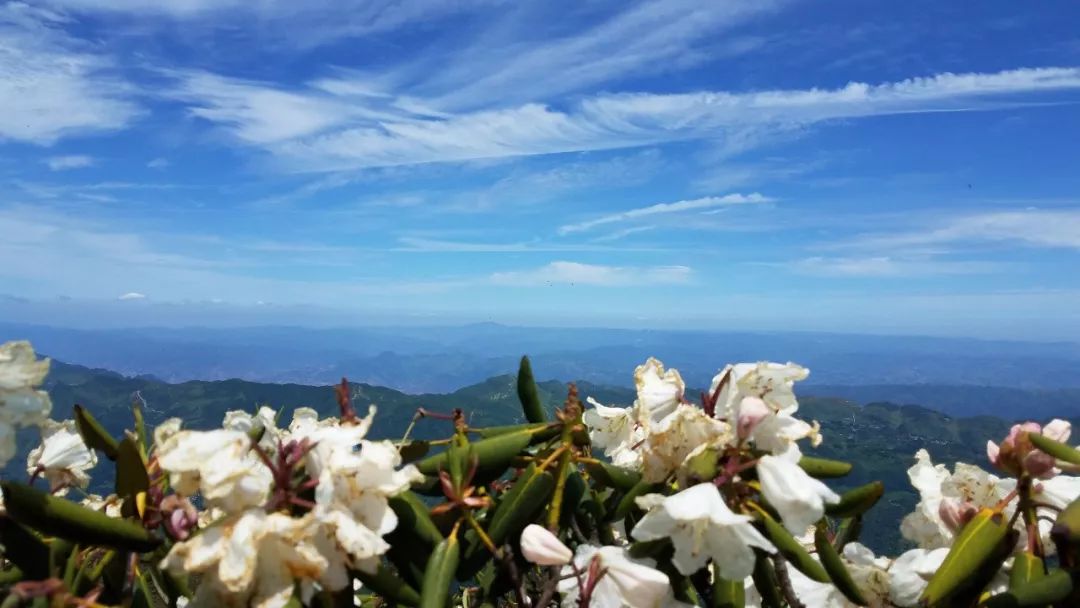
x,y
880,438
443,359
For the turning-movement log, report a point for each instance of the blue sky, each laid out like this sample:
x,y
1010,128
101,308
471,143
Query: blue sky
x,y
845,166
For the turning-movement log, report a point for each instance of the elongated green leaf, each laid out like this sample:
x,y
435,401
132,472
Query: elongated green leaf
x,y
612,476
1055,587
131,475
835,567
141,438
823,468
973,550
414,521
791,549
541,430
627,504
413,451
24,549
494,455
765,581
857,501
510,518
389,585
528,393
727,593
1054,448
1026,568
439,574
94,435
848,532
58,517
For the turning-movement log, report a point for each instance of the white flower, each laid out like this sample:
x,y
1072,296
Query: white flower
x,y
774,383
356,478
167,428
702,527
616,431
625,582
250,559
21,404
111,505
62,458
543,548
669,442
869,573
770,430
239,420
798,498
911,572
220,464
967,486
658,392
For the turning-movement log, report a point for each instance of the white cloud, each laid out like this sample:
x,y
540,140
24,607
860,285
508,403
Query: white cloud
x,y
1053,228
63,163
50,85
315,129
886,266
697,204
158,163
574,273
132,295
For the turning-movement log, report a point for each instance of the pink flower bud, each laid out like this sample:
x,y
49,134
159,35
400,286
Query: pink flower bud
x,y
543,548
752,411
955,512
1018,455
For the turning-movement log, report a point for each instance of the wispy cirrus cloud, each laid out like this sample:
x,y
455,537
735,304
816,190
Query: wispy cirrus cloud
x,y
697,204
53,85
887,267
576,273
331,131
1051,228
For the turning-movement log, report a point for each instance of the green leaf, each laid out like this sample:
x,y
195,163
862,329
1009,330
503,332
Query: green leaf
x,y
132,477
727,593
627,504
857,501
413,451
389,585
58,517
612,476
414,521
24,549
1026,568
142,441
834,566
439,574
494,456
94,435
765,581
823,468
1054,448
848,532
793,550
975,549
540,430
1055,587
528,393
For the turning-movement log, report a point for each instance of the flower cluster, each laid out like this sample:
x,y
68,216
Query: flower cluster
x,y
663,503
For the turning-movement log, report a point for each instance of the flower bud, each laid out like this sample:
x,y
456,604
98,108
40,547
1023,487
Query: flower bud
x,y
1016,454
543,548
955,513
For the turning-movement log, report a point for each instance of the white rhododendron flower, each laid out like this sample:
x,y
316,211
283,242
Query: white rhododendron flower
x,y
218,464
62,458
869,573
239,420
616,431
670,441
911,572
774,383
625,582
541,547
252,558
111,505
967,489
658,391
356,477
21,404
797,497
702,527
